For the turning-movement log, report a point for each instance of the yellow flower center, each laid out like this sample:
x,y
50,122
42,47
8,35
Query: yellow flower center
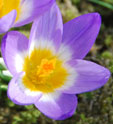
x,y
43,71
7,6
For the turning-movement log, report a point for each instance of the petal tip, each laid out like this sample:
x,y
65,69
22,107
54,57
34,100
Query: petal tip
x,y
98,17
108,74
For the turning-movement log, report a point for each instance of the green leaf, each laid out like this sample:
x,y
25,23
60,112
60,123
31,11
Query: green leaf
x,y
4,77
102,3
3,87
2,67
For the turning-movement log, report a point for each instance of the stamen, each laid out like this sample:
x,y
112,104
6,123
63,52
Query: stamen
x,y
46,68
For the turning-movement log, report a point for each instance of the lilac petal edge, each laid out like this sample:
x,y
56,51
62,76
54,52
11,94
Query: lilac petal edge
x,y
80,34
39,8
13,43
58,109
48,28
90,76
17,95
7,21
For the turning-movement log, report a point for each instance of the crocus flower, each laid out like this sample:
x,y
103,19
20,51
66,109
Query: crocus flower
x,y
14,13
48,69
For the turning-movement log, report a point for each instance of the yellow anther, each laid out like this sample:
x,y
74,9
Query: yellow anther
x,y
46,67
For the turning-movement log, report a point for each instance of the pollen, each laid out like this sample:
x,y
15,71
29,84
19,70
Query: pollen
x,y
7,6
46,68
44,72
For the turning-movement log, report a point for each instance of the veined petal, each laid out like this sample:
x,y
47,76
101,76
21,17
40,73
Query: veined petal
x,y
91,76
58,109
47,29
7,21
17,95
31,9
80,34
13,48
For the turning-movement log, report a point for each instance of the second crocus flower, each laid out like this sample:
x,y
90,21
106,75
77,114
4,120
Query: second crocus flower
x,y
14,13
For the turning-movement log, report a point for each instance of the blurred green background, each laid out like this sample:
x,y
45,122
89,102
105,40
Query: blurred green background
x,y
93,108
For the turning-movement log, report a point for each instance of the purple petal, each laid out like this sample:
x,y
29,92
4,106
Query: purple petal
x,y
91,76
80,34
60,109
32,9
13,44
17,95
7,21
48,27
